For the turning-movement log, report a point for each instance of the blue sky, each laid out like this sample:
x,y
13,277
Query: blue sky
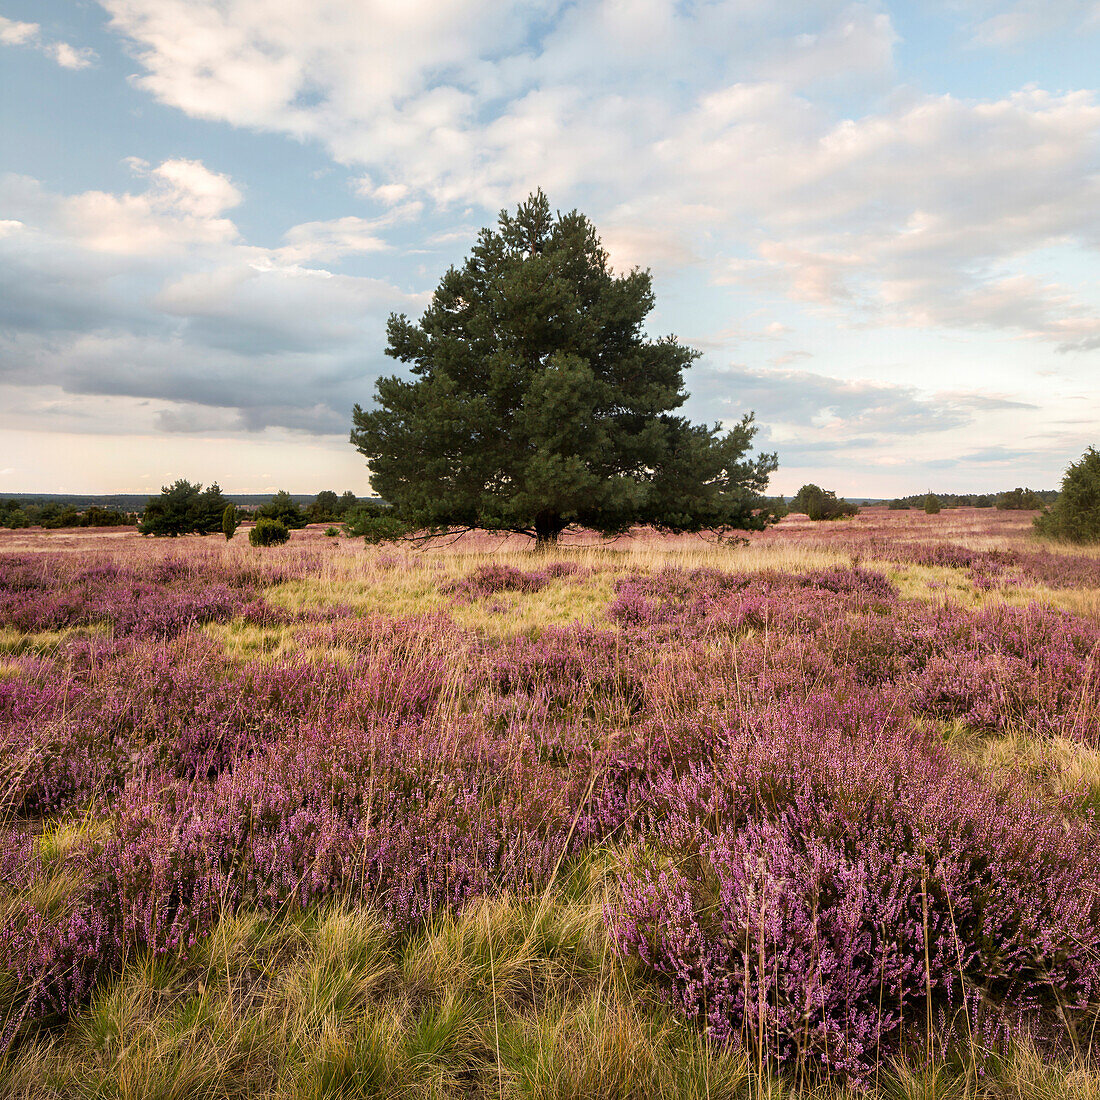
x,y
879,222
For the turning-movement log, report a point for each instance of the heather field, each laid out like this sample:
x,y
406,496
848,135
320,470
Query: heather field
x,y
810,812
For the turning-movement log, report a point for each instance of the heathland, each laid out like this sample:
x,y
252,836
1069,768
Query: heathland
x,y
806,811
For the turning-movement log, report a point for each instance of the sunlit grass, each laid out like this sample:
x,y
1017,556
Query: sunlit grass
x,y
15,643
1055,766
514,999
243,640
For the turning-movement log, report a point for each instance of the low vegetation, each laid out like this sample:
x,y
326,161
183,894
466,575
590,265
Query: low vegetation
x,y
664,819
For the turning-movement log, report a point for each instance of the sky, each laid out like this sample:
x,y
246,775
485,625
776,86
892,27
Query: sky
x,y
879,222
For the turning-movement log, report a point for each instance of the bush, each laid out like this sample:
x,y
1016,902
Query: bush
x,y
229,521
283,508
182,509
268,532
818,503
332,532
374,521
932,504
1075,515
899,505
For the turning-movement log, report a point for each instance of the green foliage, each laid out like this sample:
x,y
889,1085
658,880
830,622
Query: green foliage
x,y
183,508
284,508
538,401
374,521
1019,500
1075,515
899,505
268,532
229,521
332,532
976,500
932,504
324,507
16,514
819,504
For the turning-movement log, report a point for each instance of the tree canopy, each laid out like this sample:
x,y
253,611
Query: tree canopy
x,y
283,508
184,508
817,503
538,401
1075,515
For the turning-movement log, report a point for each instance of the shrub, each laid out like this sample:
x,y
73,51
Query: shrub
x,y
1075,515
284,508
374,521
932,504
819,504
229,521
899,505
268,532
183,508
872,879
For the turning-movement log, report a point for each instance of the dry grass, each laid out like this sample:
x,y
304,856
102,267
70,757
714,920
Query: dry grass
x,y
513,999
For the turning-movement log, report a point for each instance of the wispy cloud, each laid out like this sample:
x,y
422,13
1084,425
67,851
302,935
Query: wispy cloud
x,y
15,33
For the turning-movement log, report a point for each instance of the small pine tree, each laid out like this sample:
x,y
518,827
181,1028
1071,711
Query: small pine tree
x,y
229,521
284,508
932,504
268,532
1075,515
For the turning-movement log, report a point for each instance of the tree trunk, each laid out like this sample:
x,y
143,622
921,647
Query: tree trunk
x,y
548,525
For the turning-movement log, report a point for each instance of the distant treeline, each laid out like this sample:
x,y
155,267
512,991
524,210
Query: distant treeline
x,y
1021,500
188,508
17,513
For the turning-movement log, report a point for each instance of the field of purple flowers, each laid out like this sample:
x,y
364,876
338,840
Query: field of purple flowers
x,y
634,822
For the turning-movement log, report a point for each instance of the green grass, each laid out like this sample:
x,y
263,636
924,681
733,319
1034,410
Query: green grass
x,y
517,999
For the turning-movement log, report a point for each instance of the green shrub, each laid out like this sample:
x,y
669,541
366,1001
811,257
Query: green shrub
x,y
818,503
932,504
1075,515
268,532
183,508
374,521
284,508
229,521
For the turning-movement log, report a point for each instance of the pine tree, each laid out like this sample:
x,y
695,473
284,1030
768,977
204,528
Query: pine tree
x,y
537,400
1075,515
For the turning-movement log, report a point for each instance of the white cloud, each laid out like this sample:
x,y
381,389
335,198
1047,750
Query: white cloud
x,y
70,57
153,296
692,133
14,33
330,240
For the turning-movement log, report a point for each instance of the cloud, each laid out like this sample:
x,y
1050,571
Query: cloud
x,y
153,296
1029,19
843,409
14,33
700,139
